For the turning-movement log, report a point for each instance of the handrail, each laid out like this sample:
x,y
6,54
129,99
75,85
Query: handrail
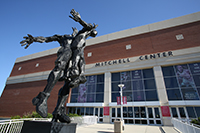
x,y
24,119
15,125
185,126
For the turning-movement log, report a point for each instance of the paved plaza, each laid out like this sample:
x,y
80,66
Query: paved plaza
x,y
109,128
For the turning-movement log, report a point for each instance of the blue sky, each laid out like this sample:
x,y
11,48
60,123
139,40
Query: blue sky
x,y
49,17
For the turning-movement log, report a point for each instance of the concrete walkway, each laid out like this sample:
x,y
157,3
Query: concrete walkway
x,y
109,128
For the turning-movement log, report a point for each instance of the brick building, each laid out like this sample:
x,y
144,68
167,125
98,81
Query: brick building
x,y
159,64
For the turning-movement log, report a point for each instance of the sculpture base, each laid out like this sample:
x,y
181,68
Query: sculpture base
x,y
48,127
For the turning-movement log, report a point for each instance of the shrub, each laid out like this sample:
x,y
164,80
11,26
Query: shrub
x,y
15,117
27,115
73,115
34,114
49,115
196,121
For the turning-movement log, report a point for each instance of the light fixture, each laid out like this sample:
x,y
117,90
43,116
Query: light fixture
x,y
120,85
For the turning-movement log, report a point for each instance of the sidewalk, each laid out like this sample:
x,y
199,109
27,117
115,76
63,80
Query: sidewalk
x,y
109,128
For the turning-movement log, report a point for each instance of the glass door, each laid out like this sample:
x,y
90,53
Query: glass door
x,y
140,115
128,115
157,116
154,116
151,116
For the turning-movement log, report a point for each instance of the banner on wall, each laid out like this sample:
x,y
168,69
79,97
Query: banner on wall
x,y
106,111
118,100
185,80
124,99
165,111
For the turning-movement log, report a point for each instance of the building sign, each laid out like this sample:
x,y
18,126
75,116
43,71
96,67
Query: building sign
x,y
165,111
157,55
124,99
107,63
126,60
106,111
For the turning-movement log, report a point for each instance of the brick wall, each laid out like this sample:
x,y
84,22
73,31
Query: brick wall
x,y
27,67
17,98
153,42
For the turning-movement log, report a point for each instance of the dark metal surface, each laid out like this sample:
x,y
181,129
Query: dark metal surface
x,y
69,66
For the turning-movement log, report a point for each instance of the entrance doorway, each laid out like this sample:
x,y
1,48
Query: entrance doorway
x,y
138,115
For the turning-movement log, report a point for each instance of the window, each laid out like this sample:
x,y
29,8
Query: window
x,y
189,94
125,112
196,79
182,81
82,111
149,84
197,109
113,112
174,94
151,121
72,110
138,96
137,112
89,54
179,37
191,113
118,112
19,68
151,95
130,112
37,65
171,82
74,98
96,111
157,114
168,71
78,111
143,112
174,112
89,92
150,113
182,112
140,112
91,111
101,112
87,112
148,73
139,85
128,46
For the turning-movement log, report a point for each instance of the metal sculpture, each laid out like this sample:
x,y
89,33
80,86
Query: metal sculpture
x,y
69,66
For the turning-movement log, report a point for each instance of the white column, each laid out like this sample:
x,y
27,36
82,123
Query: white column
x,y
107,94
162,93
160,84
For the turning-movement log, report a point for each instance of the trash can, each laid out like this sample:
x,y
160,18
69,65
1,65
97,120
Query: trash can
x,y
118,126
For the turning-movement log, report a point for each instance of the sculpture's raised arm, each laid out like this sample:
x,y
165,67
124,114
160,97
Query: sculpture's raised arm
x,y
28,40
76,17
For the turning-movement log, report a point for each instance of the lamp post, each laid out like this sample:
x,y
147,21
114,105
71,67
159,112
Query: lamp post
x,y
121,86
